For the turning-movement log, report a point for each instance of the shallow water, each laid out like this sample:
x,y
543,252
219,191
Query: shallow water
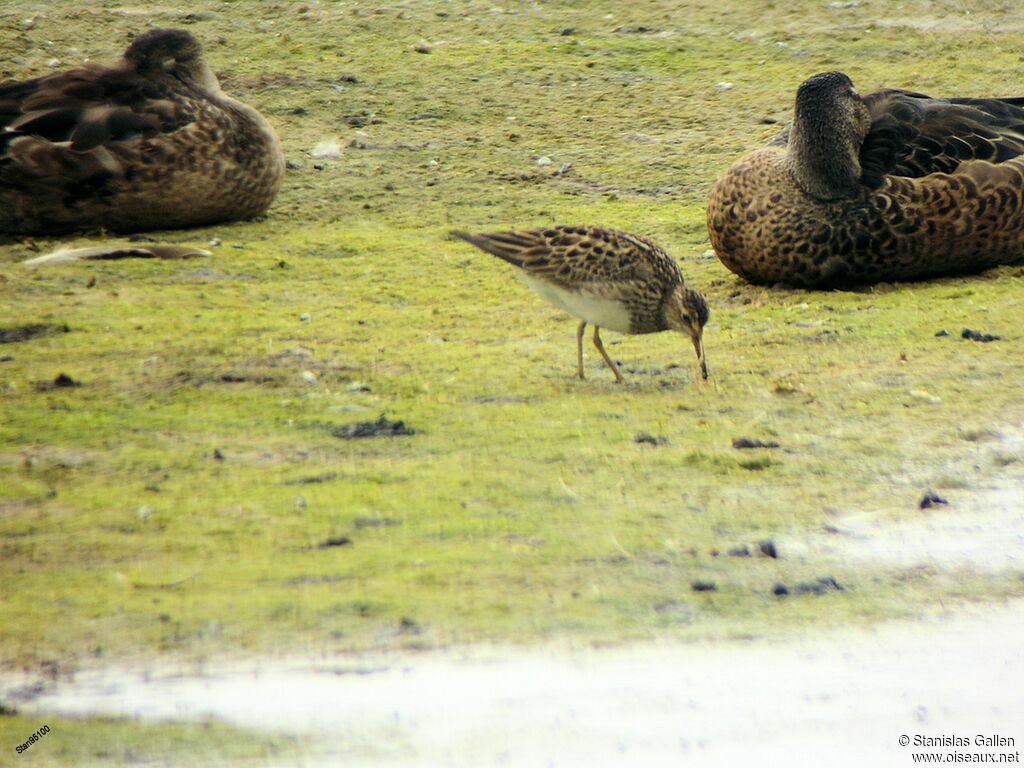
x,y
980,530
836,698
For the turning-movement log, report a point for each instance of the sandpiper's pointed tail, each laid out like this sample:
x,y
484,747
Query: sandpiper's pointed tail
x,y
508,246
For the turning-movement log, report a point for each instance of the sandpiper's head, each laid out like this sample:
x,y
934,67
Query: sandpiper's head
x,y
175,52
687,312
829,125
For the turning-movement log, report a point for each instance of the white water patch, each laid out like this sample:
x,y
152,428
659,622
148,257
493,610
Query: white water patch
x,y
839,698
979,530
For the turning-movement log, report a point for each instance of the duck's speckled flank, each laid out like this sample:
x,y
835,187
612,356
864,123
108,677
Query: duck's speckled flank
x,y
941,191
149,142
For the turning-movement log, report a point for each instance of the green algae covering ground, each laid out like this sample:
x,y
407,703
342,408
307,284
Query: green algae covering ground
x,y
100,742
195,494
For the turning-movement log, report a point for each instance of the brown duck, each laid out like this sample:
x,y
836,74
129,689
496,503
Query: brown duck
x,y
149,142
893,185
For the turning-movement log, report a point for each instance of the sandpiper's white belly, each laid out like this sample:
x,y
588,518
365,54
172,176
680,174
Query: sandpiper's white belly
x,y
584,304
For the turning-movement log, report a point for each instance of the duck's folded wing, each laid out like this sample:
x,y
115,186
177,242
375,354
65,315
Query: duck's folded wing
x,y
88,108
914,135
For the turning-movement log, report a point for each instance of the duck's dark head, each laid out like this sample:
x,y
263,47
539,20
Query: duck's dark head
x,y
829,125
174,52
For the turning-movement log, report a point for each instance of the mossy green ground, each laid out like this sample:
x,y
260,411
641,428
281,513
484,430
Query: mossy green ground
x,y
99,742
522,509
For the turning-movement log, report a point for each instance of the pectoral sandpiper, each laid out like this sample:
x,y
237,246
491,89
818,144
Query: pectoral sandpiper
x,y
606,278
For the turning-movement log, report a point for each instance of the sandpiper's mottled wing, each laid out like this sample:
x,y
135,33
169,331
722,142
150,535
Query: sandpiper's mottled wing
x,y
913,135
576,256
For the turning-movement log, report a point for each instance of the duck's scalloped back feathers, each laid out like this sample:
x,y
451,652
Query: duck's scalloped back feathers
x,y
148,142
913,135
942,192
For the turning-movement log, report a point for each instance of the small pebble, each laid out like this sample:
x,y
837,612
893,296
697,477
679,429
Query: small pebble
x,y
649,439
819,586
930,499
741,443
409,626
768,549
544,161
925,397
335,541
328,148
724,86
704,586
309,377
978,336
423,47
381,427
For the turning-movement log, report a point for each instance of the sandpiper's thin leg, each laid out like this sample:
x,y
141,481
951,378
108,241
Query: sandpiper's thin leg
x,y
611,363
579,349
